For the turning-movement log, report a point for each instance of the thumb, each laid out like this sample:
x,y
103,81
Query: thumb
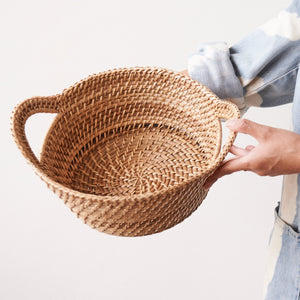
x,y
227,167
246,126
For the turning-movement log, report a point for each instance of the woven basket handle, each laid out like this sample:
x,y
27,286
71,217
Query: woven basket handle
x,y
227,110
19,117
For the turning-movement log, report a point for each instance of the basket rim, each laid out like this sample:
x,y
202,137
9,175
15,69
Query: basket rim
x,y
61,189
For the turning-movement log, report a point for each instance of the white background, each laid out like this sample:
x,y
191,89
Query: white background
x,y
46,252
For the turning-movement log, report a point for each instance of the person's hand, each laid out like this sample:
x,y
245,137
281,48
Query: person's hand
x,y
277,152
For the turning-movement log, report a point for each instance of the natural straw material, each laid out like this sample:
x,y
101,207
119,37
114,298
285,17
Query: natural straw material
x,y
129,149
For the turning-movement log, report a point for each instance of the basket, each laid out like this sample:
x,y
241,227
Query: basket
x,y
129,149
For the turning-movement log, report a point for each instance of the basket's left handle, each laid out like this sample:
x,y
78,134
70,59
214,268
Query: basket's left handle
x,y
226,110
18,120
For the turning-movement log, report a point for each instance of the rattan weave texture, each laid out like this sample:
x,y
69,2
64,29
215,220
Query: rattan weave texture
x,y
129,149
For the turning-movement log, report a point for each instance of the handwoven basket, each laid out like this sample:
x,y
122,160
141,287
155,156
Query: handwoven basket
x,y
129,149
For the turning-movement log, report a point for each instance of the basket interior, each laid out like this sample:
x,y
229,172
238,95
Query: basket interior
x,y
130,136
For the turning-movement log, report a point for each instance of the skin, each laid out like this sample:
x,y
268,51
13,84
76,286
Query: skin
x,y
277,151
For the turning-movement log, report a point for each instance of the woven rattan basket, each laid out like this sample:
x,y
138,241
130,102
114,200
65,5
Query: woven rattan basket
x,y
129,149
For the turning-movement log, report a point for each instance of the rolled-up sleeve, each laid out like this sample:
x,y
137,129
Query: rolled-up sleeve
x,y
259,70
211,65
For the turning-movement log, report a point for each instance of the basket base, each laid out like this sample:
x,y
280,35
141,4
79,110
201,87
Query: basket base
x,y
140,160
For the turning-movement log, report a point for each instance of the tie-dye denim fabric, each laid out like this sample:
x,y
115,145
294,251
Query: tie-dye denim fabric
x,y
262,70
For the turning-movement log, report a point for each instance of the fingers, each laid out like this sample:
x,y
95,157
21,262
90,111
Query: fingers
x,y
256,130
250,147
228,167
240,151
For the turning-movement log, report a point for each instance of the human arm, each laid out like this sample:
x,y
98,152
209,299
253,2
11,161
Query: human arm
x,y
266,62
260,69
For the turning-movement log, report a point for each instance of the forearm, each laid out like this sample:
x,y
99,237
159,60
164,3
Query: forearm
x,y
259,70
266,61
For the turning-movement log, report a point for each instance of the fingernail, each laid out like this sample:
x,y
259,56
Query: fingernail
x,y
230,123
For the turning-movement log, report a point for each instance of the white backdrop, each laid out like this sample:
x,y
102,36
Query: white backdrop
x,y
46,252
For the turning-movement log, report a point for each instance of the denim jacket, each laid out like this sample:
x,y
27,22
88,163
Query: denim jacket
x,y
262,70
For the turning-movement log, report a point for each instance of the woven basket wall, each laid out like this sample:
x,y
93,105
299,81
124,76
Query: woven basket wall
x,y
129,149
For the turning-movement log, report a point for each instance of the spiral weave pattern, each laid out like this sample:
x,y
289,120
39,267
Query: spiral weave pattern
x,y
129,149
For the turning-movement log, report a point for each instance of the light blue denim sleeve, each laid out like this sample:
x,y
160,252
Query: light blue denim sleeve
x,y
211,65
262,70
259,70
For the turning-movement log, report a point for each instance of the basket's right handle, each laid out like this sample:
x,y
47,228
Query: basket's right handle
x,y
226,110
18,120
